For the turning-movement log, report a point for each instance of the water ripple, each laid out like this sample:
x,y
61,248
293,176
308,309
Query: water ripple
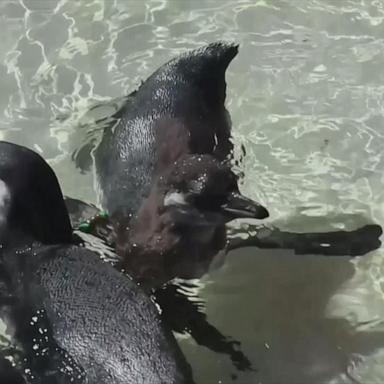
x,y
306,96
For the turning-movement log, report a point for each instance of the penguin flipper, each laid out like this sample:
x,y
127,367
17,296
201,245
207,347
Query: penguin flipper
x,y
190,318
334,243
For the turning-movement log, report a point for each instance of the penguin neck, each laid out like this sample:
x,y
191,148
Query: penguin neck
x,y
150,228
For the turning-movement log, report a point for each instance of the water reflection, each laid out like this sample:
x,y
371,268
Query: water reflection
x,y
288,337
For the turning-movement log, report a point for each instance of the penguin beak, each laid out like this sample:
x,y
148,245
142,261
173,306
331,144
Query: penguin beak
x,y
239,206
236,206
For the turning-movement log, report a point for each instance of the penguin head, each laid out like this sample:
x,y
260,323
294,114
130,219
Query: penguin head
x,y
201,190
31,201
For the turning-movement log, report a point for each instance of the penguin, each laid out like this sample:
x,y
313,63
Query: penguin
x,y
70,317
176,122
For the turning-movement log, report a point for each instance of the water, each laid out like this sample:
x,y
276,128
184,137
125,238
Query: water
x,y
306,98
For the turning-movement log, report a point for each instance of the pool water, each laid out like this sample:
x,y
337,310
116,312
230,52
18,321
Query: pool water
x,y
306,96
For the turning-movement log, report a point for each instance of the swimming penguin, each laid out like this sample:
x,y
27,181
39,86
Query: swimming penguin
x,y
177,113
71,317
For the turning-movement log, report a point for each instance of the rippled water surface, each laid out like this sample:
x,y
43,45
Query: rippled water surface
x,y
306,95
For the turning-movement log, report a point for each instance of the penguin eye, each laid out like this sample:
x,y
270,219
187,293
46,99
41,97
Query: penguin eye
x,y
211,202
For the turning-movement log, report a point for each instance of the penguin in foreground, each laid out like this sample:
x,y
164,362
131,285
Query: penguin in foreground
x,y
70,317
